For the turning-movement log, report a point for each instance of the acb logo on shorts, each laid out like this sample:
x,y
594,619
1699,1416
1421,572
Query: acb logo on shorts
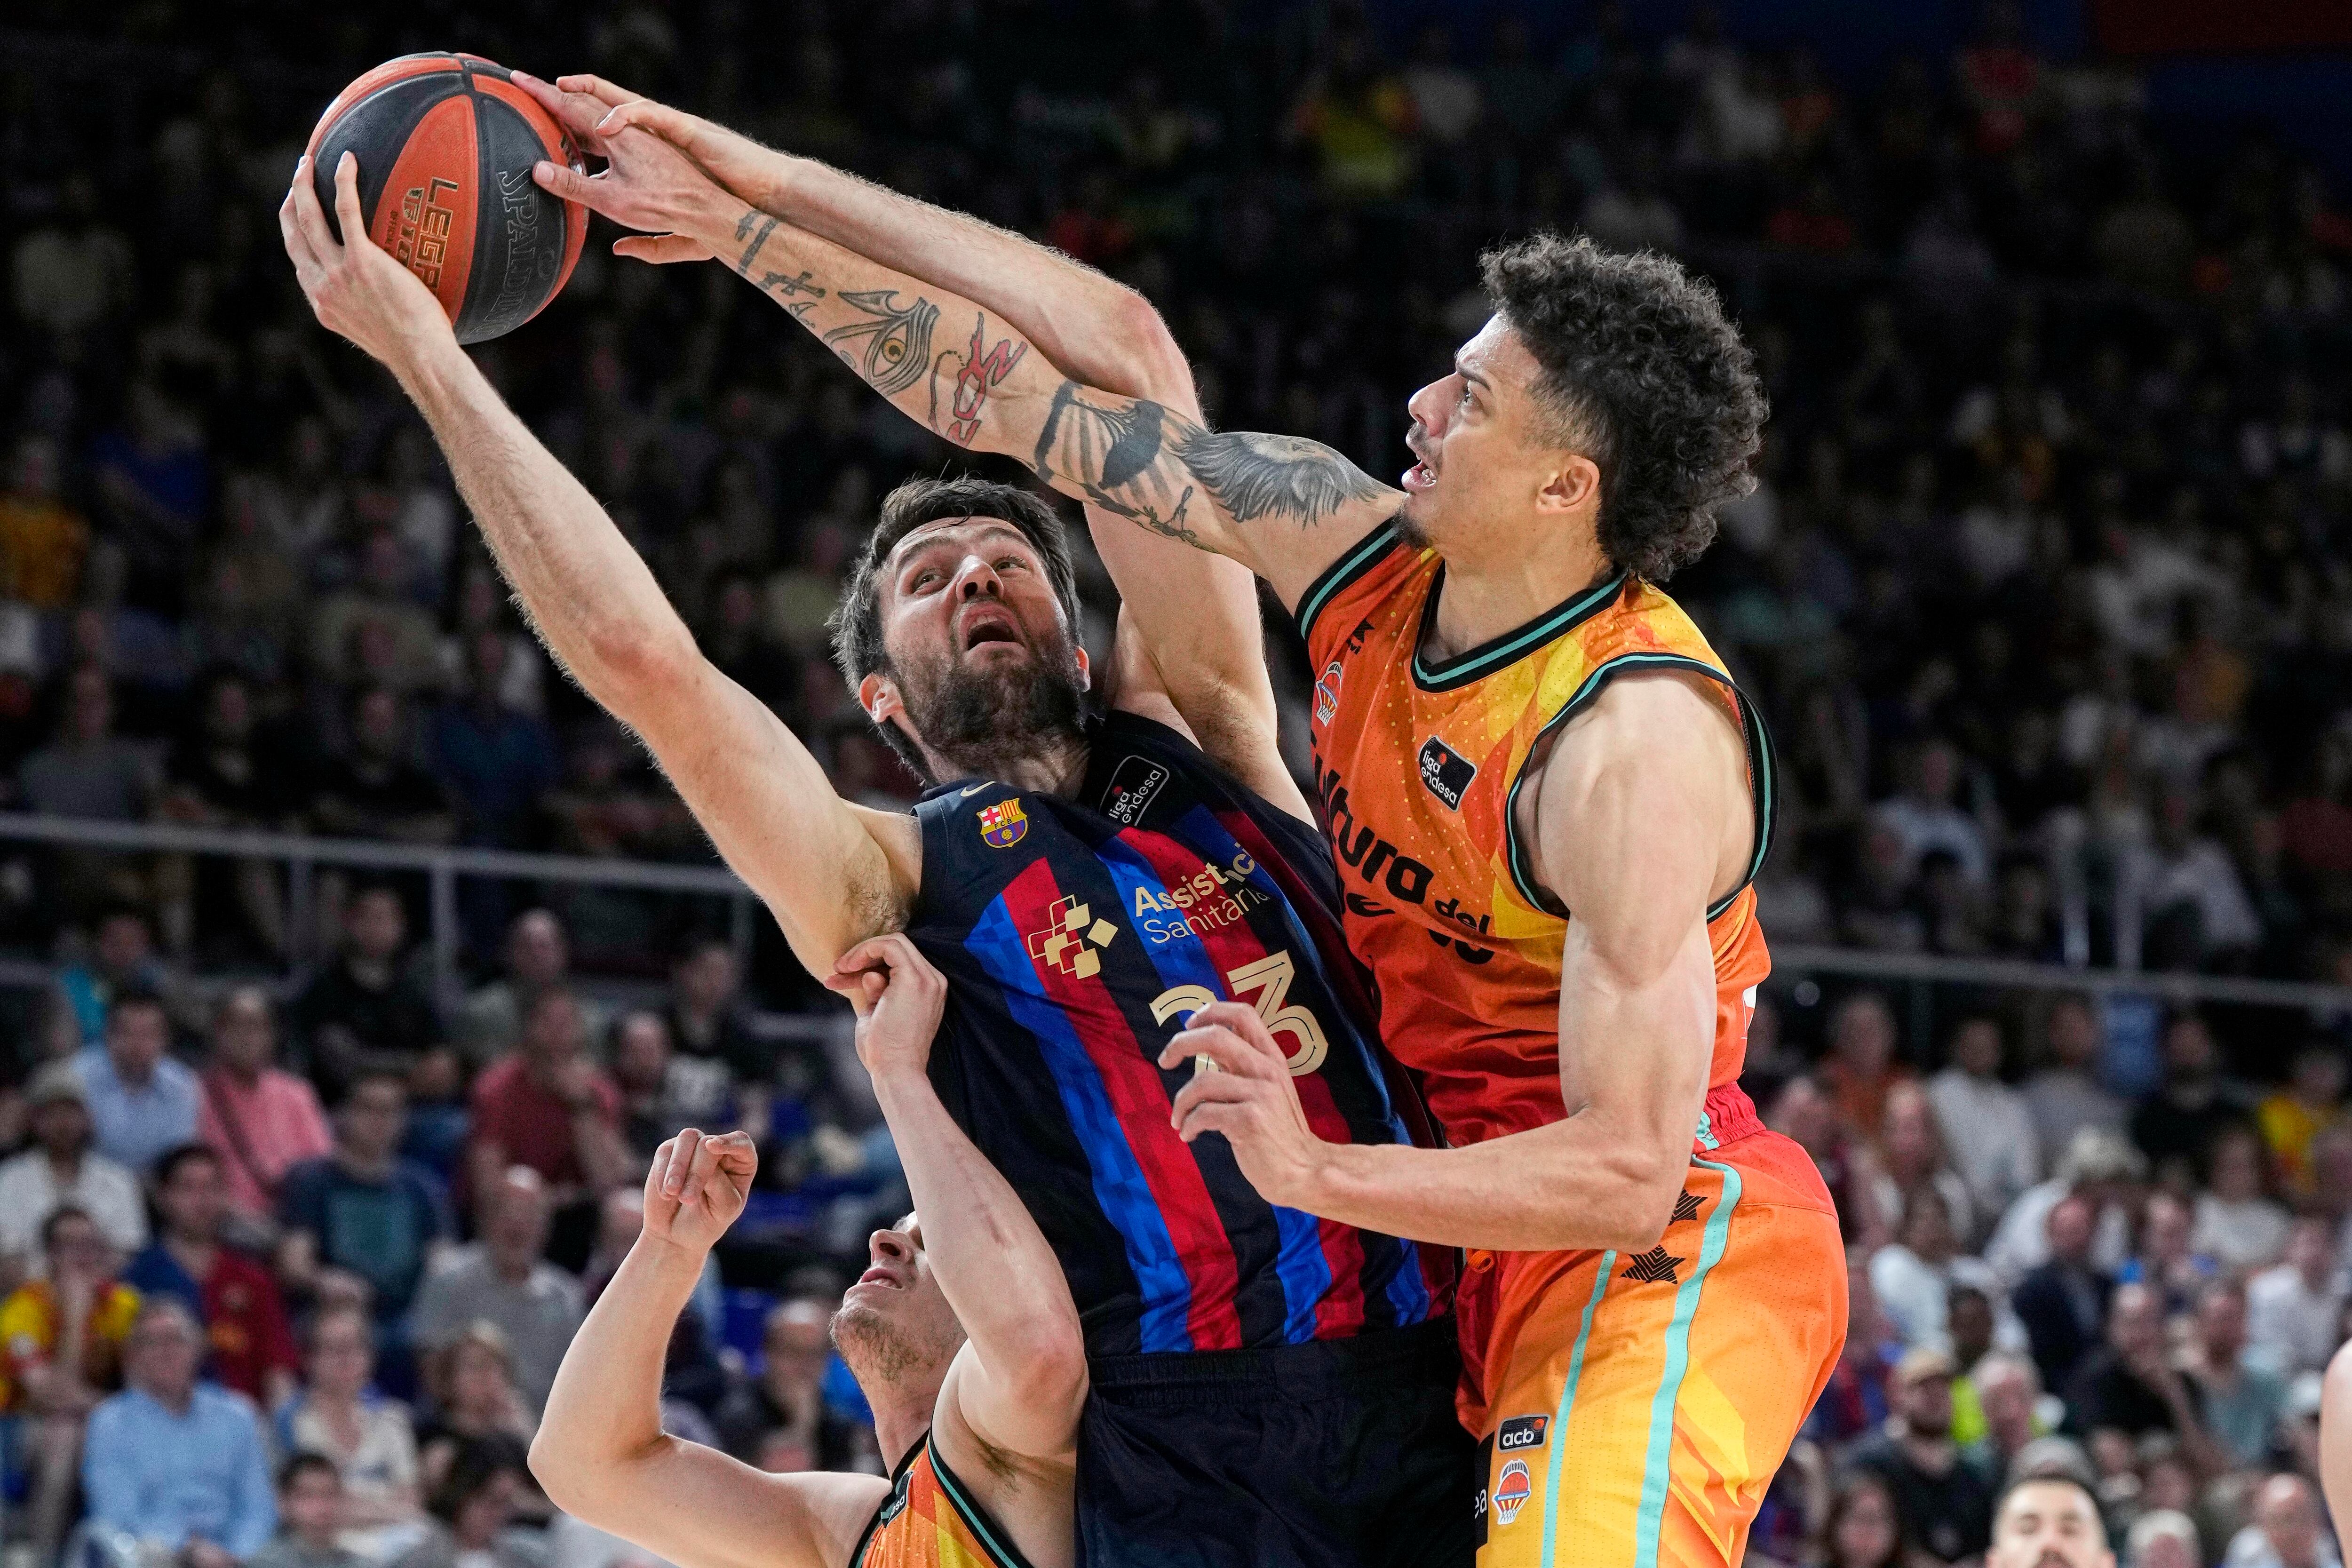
x,y
1512,1490
1521,1432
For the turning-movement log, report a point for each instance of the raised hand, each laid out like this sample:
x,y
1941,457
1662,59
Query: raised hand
x,y
648,185
354,286
899,998
696,1187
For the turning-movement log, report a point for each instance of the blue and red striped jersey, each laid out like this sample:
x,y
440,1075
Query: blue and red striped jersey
x,y
1077,934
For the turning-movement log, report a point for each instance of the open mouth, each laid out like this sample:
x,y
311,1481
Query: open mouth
x,y
877,1275
1421,475
990,626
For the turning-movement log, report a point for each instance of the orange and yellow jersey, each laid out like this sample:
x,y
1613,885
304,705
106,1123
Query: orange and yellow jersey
x,y
1418,766
930,1520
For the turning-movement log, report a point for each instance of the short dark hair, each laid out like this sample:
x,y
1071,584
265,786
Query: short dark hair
x,y
135,995
2047,1478
57,1216
306,1463
857,621
1642,369
169,1165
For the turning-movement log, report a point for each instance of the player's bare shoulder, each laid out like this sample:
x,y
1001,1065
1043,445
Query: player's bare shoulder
x,y
1655,757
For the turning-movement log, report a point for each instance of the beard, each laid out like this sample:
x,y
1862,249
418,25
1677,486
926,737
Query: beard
x,y
973,720
883,1353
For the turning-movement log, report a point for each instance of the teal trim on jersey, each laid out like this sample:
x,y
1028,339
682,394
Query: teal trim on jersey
x,y
1651,1517
1568,1404
1706,1137
1763,781
1350,565
1450,674
998,1547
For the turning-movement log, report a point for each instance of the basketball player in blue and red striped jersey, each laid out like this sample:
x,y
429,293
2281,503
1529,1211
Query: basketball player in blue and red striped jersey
x,y
1267,1389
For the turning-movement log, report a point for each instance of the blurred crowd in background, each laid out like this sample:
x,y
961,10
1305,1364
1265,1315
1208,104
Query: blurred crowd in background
x,y
2045,589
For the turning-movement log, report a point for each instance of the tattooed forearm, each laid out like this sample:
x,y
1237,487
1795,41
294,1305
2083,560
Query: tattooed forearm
x,y
897,337
1252,476
783,287
976,375
1132,457
756,228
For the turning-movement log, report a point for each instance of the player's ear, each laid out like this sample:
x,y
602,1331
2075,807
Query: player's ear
x,y
1572,485
1086,666
879,695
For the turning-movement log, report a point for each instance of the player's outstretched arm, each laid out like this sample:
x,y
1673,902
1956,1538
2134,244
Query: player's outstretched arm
x,y
1618,843
601,1453
1281,505
1196,614
1015,1389
832,872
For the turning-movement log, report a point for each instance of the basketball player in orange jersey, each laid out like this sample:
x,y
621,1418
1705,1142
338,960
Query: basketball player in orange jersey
x,y
1546,793
981,1431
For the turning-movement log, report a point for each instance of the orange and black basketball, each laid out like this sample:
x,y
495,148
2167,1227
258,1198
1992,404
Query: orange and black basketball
x,y
445,143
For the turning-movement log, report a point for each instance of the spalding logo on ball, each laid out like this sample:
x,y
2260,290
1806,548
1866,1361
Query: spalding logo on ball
x,y
445,143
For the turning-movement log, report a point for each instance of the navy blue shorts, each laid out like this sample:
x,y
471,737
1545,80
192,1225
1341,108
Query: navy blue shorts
x,y
1335,1454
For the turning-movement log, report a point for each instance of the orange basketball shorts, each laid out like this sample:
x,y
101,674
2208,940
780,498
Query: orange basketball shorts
x,y
1635,1407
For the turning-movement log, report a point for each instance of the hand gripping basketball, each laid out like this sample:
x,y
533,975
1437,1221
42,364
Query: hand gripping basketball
x,y
354,286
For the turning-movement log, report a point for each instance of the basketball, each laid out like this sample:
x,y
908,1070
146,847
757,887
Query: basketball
x,y
445,144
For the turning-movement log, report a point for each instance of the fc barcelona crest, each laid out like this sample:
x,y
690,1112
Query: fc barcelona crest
x,y
1001,826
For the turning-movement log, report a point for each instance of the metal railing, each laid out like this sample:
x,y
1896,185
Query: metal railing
x,y
441,866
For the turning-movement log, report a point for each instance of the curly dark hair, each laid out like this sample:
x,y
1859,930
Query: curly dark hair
x,y
1647,377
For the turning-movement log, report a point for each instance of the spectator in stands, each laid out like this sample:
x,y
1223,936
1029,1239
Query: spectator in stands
x,y
373,788
259,1119
2293,1308
1915,1276
2008,1396
363,1209
1923,816
233,1295
538,958
2097,1166
2194,1102
2288,1528
121,957
2239,1399
62,1168
54,1388
2311,1101
2130,1386
1861,1529
1984,1123
2064,1303
88,771
549,1107
2168,1260
227,770
1860,1067
366,1010
309,1517
472,1508
2066,1096
503,1281
475,1399
2049,1520
494,761
2164,1538
660,1094
364,1438
1945,1505
173,1464
785,1401
1913,1158
2235,1222
707,1025
143,1101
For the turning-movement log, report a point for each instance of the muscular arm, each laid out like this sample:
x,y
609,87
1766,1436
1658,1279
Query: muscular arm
x,y
974,378
1618,817
601,1453
833,873
1016,1387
